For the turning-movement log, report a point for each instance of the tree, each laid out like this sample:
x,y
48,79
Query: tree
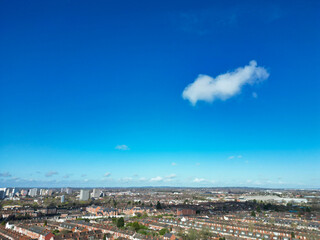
x,y
45,223
192,234
120,222
293,235
253,214
159,205
136,226
258,209
163,231
205,233
114,203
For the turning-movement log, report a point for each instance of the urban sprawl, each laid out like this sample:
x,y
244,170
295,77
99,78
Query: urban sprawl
x,y
159,213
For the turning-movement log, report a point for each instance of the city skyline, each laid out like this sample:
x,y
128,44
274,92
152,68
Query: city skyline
x,y
199,94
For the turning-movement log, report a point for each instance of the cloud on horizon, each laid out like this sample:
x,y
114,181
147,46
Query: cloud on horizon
x,y
224,86
198,180
156,179
168,178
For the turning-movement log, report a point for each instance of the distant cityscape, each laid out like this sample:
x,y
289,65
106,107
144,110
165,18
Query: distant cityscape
x,y
159,213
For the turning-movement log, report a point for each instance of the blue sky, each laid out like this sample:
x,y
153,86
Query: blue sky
x,y
159,93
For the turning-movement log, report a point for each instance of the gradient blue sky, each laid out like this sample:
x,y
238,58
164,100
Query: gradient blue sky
x,y
79,78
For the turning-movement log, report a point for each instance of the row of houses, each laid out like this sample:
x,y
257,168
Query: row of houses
x,y
232,229
32,231
111,212
31,212
8,234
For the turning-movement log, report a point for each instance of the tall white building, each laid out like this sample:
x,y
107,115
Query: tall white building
x,y
13,193
43,192
95,193
68,190
33,192
8,192
84,195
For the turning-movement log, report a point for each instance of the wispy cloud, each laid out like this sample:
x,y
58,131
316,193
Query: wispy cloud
x,y
51,173
5,174
199,180
156,179
168,178
122,147
171,176
107,174
224,86
174,164
203,181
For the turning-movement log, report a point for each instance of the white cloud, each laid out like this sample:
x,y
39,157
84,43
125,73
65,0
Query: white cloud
x,y
122,147
174,164
224,86
231,157
168,178
156,179
107,174
198,180
171,176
